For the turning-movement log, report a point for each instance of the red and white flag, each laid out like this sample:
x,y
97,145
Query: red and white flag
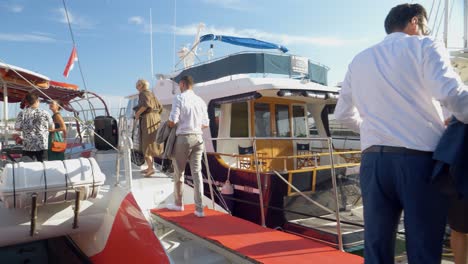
x,y
71,62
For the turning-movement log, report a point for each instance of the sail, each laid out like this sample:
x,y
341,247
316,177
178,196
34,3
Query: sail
x,y
246,42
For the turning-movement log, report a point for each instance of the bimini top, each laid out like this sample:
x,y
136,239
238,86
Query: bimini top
x,y
19,82
257,63
245,42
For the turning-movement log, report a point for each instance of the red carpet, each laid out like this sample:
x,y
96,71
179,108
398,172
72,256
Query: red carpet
x,y
261,244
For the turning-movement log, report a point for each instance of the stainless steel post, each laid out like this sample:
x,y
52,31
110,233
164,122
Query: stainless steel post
x,y
208,174
33,214
259,183
335,191
5,113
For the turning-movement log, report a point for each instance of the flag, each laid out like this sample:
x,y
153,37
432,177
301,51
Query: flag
x,y
71,62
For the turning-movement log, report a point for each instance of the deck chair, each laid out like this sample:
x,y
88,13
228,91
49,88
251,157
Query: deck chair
x,y
245,161
302,150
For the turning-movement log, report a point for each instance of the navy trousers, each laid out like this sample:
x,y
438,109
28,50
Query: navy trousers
x,y
396,182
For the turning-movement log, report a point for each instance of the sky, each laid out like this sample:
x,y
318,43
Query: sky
x,y
113,36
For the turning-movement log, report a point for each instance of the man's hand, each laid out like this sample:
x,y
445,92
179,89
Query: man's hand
x,y
170,124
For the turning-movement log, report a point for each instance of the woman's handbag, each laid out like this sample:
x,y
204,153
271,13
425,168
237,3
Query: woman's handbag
x,y
57,143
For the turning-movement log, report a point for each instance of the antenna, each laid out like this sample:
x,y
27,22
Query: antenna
x,y
446,20
465,25
174,36
151,48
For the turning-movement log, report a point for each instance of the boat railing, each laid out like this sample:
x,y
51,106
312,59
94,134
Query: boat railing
x,y
125,147
331,154
312,157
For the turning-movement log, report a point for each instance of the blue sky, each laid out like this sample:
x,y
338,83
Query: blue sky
x,y
113,39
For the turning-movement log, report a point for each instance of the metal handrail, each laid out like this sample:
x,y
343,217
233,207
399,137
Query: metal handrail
x,y
332,169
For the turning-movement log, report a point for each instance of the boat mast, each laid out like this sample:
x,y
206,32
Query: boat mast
x,y
151,48
174,36
465,25
5,112
446,21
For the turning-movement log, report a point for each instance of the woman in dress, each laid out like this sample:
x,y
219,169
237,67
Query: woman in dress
x,y
148,112
59,127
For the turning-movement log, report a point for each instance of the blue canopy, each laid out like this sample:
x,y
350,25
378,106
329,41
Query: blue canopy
x,y
246,42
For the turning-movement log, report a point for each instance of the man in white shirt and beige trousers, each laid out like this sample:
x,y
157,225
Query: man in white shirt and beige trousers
x,y
190,114
392,94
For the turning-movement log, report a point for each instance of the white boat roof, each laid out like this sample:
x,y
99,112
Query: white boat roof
x,y
234,85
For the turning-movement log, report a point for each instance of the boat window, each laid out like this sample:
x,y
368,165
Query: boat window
x,y
299,121
262,120
283,128
239,120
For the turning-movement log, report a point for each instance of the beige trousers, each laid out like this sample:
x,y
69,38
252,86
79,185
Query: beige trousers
x,y
188,148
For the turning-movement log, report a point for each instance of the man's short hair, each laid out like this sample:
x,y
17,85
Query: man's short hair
x,y
188,80
31,98
401,15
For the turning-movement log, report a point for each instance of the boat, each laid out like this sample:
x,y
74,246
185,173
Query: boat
x,y
267,167
96,207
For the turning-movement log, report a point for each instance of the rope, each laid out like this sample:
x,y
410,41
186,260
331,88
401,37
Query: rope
x,y
74,42
303,195
430,12
435,20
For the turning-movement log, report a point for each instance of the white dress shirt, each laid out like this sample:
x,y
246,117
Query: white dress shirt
x,y
393,92
190,113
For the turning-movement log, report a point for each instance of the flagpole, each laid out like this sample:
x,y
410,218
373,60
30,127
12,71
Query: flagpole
x,y
174,35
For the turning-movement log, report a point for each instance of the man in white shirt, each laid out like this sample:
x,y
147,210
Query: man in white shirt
x,y
190,114
392,94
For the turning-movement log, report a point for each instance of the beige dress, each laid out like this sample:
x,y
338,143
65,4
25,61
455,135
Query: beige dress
x,y
149,123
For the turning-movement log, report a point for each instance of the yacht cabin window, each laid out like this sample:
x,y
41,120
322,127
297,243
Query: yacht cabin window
x,y
240,119
262,120
299,121
283,128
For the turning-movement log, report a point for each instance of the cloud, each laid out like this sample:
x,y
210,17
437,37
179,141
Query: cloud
x,y
14,8
239,5
284,39
79,21
34,37
136,20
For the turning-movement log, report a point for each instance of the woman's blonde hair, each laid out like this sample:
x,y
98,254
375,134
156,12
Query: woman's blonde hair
x,y
144,82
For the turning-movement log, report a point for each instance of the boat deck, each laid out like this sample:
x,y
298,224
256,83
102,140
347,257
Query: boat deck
x,y
246,242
